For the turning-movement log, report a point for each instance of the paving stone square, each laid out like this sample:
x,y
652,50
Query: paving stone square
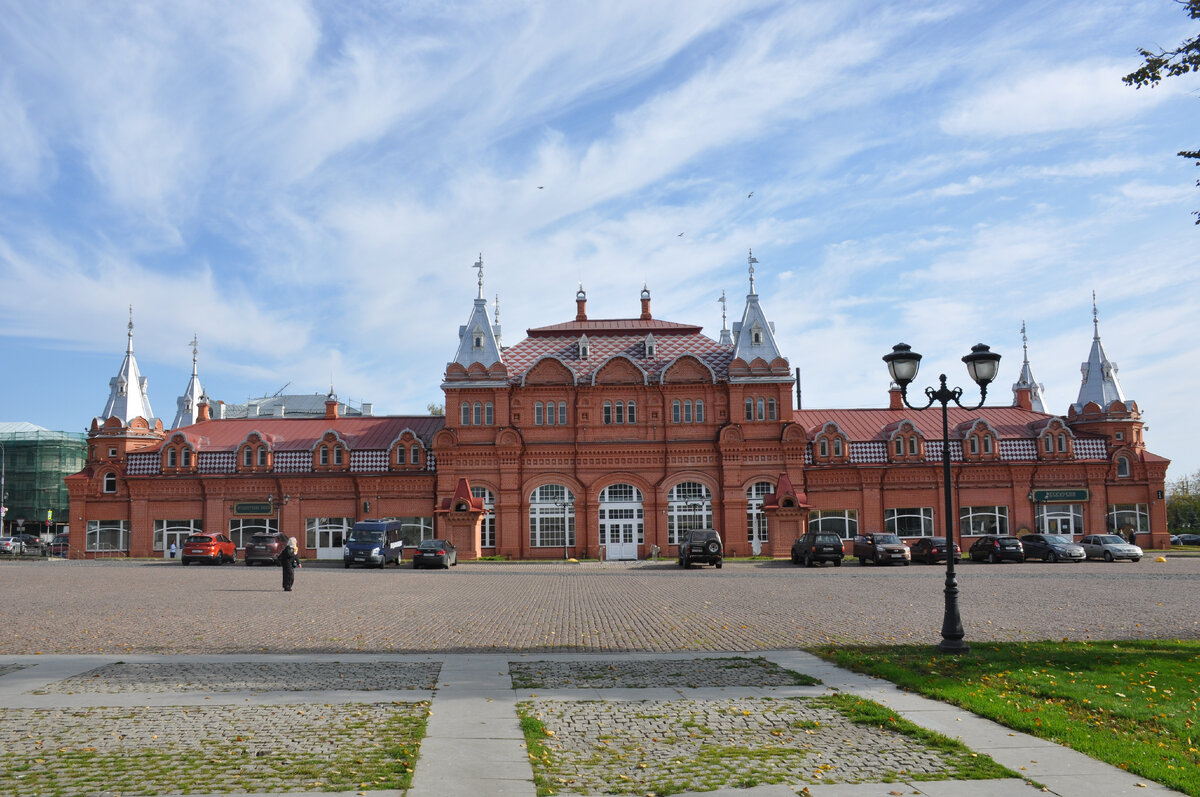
x,y
670,673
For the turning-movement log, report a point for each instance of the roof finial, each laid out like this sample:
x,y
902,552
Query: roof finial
x,y
724,322
129,348
497,307
1024,341
751,260
1095,318
479,265
195,342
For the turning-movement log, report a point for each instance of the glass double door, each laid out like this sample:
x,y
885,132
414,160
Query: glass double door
x,y
621,531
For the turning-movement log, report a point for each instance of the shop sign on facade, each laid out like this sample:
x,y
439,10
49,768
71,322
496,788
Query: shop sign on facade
x,y
1058,496
254,508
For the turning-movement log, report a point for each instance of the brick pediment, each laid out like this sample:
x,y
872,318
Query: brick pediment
x,y
619,371
549,371
686,369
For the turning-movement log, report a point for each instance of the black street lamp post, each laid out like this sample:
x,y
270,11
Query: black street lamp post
x,y
982,365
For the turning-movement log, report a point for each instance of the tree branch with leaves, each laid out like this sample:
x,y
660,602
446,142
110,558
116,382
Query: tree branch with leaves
x,y
1171,63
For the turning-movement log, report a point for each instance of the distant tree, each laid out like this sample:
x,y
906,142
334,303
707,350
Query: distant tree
x,y
436,409
1183,504
1183,59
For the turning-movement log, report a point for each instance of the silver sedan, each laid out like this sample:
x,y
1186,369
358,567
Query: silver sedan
x,y
1109,547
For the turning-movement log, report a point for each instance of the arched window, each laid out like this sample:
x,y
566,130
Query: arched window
x,y
324,455
414,455
687,411
772,412
539,417
824,447
837,446
974,444
562,413
899,446
262,456
466,414
756,519
478,417
110,482
619,412
246,457
689,506
489,414
1122,467
749,409
551,517
987,444
631,412
912,445
487,523
762,413
676,411
549,413
699,411
622,520
1049,443
187,458
1062,443
171,457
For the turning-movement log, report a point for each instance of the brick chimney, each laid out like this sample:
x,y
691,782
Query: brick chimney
x,y
895,401
331,406
202,413
645,303
1024,397
581,304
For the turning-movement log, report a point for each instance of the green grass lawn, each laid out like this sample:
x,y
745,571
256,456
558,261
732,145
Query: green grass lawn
x,y
1132,704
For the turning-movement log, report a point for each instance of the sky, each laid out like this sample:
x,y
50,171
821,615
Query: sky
x,y
306,186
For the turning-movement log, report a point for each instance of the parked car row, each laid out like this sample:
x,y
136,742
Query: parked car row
x,y
23,544
879,549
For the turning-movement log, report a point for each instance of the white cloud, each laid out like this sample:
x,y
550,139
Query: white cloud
x,y
21,149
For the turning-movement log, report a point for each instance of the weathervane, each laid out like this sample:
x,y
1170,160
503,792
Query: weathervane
x,y
724,325
752,260
479,265
194,344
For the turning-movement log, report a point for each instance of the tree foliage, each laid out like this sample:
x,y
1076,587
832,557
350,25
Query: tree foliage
x,y
1183,504
436,409
1171,63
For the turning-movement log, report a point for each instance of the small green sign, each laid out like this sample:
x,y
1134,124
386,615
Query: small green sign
x,y
1058,496
254,508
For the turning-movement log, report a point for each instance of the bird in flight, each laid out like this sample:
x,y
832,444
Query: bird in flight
x,y
749,195
540,187
679,236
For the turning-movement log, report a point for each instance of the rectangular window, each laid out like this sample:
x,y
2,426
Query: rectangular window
x,y
176,530
319,532
749,409
414,455
562,413
909,521
107,535
551,526
1124,518
466,414
538,414
977,520
242,529
842,522
415,529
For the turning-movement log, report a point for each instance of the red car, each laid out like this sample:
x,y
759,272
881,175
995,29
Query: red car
x,y
208,547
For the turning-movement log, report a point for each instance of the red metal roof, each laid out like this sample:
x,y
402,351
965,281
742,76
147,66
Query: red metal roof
x,y
301,434
869,424
610,326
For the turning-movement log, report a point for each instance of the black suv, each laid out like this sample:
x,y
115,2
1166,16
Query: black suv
x,y
816,547
700,545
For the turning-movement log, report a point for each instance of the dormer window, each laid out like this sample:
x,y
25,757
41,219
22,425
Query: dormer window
x,y
824,448
477,338
651,347
247,453
1122,467
262,456
110,482
584,345
323,457
187,458
837,446
171,457
756,336
337,455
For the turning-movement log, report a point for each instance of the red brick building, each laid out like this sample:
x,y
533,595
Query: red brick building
x,y
607,437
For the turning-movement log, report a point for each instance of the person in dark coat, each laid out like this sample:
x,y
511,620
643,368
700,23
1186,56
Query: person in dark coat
x,y
289,560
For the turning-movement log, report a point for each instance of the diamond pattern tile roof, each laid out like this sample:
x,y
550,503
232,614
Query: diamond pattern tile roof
x,y
607,339
870,424
301,434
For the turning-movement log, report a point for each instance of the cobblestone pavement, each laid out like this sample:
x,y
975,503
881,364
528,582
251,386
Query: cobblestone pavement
x,y
152,677
619,674
161,607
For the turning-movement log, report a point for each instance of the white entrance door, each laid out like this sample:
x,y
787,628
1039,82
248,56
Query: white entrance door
x,y
619,540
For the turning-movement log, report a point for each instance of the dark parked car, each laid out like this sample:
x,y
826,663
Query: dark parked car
x,y
208,547
881,549
435,553
60,545
933,549
1189,539
31,543
996,548
816,547
701,545
264,549
1052,548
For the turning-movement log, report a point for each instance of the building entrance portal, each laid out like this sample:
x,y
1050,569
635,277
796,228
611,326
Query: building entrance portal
x,y
622,523
1064,519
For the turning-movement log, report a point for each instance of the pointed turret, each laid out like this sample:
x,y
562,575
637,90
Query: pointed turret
x,y
127,397
1100,383
1027,391
187,406
478,340
754,335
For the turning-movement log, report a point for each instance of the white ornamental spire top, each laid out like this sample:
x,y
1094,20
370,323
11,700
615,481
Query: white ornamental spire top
x,y
726,339
751,260
187,406
1026,380
478,340
479,265
1100,383
127,398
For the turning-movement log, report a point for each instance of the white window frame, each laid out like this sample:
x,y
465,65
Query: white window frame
x,y
487,523
898,521
1121,514
842,522
975,521
683,514
756,519
551,525
107,535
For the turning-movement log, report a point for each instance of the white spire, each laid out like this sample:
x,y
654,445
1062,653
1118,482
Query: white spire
x,y
726,338
1026,380
478,341
127,398
754,335
1099,373
187,406
751,260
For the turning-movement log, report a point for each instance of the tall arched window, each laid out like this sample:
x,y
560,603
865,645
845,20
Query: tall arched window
x,y
414,455
837,446
756,519
689,506
1122,467
262,456
489,414
562,413
187,458
749,409
323,458
762,412
478,415
171,457
551,517
687,411
466,414
110,482
619,412
487,524
699,411
823,447
676,411
621,521
246,457
539,417
772,411
631,412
